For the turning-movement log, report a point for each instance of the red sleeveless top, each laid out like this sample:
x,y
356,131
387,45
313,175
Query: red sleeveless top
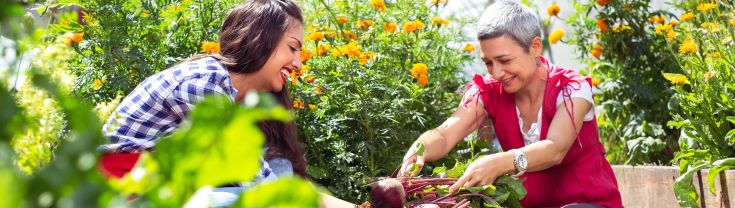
x,y
584,176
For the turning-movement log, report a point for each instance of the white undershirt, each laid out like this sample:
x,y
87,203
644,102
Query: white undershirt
x,y
584,91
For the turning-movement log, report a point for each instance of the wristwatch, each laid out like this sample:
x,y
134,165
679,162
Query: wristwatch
x,y
520,161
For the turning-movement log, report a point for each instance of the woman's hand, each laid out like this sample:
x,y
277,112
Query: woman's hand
x,y
482,172
413,161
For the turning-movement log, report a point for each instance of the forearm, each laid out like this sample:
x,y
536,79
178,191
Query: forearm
x,y
542,155
435,145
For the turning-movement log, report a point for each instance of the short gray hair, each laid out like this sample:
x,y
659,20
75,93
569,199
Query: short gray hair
x,y
509,18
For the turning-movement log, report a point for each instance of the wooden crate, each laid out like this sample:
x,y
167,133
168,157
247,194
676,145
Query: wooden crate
x,y
653,186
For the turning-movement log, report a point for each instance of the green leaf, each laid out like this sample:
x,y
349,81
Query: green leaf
x,y
684,191
285,192
717,167
731,119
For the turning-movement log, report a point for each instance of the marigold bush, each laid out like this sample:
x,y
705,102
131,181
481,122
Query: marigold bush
x,y
380,85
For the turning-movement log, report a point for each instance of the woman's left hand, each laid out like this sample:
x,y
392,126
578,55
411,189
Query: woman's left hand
x,y
482,172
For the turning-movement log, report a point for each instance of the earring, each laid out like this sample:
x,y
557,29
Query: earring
x,y
538,62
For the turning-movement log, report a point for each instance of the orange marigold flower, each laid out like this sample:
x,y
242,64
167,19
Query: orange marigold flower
x,y
309,78
709,75
210,47
378,4
351,50
715,54
412,26
312,106
349,34
670,35
305,55
365,57
77,37
315,36
602,25
686,17
423,80
469,48
438,21
390,27
318,90
553,10
364,24
419,69
674,22
341,19
603,2
298,104
437,2
323,49
597,51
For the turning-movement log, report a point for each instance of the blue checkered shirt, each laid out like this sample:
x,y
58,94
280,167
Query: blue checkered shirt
x,y
161,102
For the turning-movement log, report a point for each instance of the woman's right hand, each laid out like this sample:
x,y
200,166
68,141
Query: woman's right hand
x,y
413,161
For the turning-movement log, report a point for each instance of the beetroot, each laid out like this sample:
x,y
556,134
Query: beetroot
x,y
388,193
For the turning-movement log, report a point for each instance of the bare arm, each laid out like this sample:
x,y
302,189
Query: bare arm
x,y
439,141
541,155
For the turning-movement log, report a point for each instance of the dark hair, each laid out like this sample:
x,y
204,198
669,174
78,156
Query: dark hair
x,y
282,137
252,31
247,39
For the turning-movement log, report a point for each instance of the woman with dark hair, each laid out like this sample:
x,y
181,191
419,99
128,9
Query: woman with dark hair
x,y
543,116
260,43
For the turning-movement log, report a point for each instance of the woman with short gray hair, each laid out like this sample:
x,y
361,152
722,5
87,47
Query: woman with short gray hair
x,y
543,117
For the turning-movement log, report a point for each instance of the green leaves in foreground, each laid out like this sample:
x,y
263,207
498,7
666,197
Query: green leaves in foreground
x,y
286,192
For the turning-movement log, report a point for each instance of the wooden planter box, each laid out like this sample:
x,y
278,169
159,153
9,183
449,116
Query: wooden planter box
x,y
653,186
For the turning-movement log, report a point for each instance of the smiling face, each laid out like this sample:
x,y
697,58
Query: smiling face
x,y
509,63
284,59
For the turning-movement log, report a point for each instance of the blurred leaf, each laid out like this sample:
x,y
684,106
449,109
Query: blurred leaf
x,y
285,192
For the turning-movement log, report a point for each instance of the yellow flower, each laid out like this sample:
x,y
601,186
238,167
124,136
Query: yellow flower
x,y
597,51
469,48
710,26
318,90
676,79
312,106
706,6
709,75
295,76
715,54
732,22
378,4
390,27
621,28
305,55
419,69
330,33
688,46
351,50
556,36
98,84
686,17
315,36
674,22
323,49
412,26
595,82
210,47
438,21
661,29
553,10
670,35
364,24
602,25
309,79
341,19
423,80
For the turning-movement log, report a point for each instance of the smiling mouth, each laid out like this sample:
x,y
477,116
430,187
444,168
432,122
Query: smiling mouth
x,y
286,72
507,81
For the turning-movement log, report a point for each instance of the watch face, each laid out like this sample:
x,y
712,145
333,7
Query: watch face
x,y
523,162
